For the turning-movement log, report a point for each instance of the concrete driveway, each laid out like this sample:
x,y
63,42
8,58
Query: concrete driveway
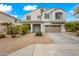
x,y
63,38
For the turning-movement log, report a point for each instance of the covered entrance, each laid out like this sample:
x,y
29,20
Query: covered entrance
x,y
36,28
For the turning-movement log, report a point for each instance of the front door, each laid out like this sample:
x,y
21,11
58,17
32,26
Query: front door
x,y
36,27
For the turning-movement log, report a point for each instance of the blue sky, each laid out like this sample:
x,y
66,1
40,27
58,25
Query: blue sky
x,y
19,9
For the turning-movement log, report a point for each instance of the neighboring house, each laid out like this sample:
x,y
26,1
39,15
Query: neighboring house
x,y
5,18
42,20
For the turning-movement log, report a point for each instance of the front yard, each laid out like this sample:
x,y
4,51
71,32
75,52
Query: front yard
x,y
9,45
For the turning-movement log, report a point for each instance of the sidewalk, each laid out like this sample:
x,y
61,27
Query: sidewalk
x,y
48,50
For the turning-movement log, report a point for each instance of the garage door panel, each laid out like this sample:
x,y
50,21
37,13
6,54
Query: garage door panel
x,y
53,29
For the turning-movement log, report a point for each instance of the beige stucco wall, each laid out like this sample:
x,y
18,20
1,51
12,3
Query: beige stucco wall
x,y
34,15
52,15
5,18
51,12
2,29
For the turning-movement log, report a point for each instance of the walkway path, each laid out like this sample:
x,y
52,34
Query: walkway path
x,y
48,50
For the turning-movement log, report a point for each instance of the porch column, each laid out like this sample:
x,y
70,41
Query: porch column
x,y
63,28
42,28
31,28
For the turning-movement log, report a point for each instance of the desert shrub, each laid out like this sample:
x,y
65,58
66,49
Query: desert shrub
x,y
12,29
77,23
24,29
2,35
70,26
77,33
39,34
74,29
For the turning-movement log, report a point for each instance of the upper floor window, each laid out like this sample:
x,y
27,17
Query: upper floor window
x,y
59,15
39,17
47,16
28,17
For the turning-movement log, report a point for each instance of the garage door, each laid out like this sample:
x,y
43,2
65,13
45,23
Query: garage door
x,y
52,28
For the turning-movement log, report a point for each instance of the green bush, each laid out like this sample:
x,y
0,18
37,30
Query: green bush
x,y
2,36
24,29
18,28
39,34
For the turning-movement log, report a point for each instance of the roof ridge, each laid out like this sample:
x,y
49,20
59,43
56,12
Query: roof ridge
x,y
34,10
7,14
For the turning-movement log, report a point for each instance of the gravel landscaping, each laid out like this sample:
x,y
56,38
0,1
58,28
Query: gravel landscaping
x,y
72,33
9,45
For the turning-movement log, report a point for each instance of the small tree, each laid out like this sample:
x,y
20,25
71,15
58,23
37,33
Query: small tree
x,y
13,31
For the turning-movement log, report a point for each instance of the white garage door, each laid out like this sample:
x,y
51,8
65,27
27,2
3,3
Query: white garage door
x,y
52,28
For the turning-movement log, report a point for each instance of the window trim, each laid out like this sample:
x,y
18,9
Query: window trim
x,y
27,17
38,16
58,17
47,16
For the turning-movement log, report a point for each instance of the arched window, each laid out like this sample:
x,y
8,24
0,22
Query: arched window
x,y
58,15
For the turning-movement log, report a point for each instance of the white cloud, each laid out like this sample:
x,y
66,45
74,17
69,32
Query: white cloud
x,y
71,11
15,16
5,8
30,7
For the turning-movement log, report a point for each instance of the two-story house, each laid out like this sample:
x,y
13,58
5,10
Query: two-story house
x,y
42,20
